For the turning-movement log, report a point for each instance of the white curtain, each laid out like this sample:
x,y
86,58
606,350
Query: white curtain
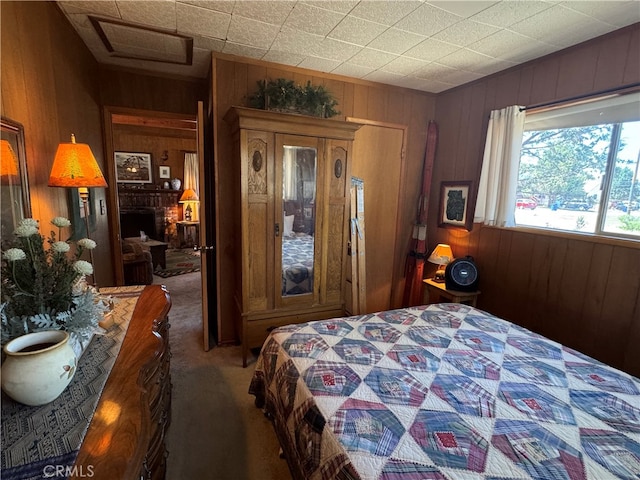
x,y
191,174
499,176
290,174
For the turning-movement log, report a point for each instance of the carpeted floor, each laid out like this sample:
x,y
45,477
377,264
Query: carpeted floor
x,y
179,262
216,432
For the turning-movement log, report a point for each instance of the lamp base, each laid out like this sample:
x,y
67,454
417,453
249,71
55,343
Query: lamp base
x,y
439,276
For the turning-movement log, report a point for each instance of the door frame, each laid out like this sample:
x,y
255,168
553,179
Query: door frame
x,y
153,118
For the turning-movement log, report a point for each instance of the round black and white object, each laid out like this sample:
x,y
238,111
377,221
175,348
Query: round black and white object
x,y
461,275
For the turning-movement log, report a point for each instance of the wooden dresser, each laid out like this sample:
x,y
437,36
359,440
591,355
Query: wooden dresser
x,y
125,439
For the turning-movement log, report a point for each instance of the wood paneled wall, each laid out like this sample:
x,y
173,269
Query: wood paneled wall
x,y
234,80
579,291
155,141
50,85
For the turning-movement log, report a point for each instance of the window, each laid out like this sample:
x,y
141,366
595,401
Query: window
x,y
579,168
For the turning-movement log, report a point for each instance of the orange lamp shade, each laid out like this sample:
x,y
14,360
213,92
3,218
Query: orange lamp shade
x,y
8,160
75,166
189,195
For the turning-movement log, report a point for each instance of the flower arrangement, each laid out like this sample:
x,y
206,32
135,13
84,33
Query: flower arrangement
x,y
45,289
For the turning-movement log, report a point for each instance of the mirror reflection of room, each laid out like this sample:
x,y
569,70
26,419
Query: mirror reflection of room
x,y
13,194
299,219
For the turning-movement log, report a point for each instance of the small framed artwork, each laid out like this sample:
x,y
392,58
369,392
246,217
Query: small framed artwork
x,y
165,172
454,205
133,167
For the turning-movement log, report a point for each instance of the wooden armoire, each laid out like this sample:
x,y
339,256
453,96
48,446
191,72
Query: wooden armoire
x,y
293,190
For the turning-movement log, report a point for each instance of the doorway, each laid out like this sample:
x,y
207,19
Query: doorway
x,y
151,207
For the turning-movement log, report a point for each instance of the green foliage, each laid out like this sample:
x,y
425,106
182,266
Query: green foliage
x,y
285,96
44,289
630,223
558,163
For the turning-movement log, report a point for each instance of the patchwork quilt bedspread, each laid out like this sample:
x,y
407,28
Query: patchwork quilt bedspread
x,y
297,265
440,392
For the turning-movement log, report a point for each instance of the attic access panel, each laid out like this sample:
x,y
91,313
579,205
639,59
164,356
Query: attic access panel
x,y
137,42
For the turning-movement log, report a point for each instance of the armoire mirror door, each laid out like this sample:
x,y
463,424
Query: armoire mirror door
x,y
295,230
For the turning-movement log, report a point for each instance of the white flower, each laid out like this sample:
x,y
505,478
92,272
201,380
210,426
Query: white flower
x,y
87,243
83,267
31,222
14,254
61,222
25,230
60,247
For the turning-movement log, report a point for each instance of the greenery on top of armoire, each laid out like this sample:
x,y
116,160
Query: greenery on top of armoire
x,y
284,95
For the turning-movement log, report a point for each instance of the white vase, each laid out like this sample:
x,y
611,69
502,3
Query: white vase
x,y
38,367
176,183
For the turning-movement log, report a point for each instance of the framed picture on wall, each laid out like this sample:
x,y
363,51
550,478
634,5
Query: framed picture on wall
x,y
454,205
133,167
165,172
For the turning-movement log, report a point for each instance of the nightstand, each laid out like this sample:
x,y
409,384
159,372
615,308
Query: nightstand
x,y
438,291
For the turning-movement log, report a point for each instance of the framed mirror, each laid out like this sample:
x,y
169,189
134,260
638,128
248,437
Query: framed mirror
x,y
14,183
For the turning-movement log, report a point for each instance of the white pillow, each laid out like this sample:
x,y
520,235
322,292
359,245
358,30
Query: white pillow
x,y
288,225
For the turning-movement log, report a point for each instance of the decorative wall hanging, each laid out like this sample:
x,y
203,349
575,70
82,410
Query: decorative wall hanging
x,y
133,167
454,205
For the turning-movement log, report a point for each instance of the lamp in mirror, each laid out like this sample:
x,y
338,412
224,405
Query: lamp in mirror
x,y
441,256
8,162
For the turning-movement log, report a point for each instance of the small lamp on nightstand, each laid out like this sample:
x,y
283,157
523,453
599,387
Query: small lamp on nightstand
x,y
441,256
190,199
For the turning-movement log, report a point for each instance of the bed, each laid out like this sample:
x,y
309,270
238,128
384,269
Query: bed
x,y
443,391
297,264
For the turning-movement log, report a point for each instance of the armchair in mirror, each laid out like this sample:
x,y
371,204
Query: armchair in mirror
x,y
14,184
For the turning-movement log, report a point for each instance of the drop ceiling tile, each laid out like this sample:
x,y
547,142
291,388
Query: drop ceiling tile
x,y
432,71
435,86
395,41
336,50
351,70
193,20
458,77
427,20
508,45
201,56
296,42
404,65
107,8
206,43
465,59
465,32
374,59
430,50
250,32
426,85
160,14
274,12
503,14
463,8
344,6
383,77
356,31
560,26
616,13
323,20
221,6
385,12
283,58
243,50
319,64
493,65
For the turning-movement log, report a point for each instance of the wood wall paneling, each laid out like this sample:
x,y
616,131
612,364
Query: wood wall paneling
x,y
50,85
567,288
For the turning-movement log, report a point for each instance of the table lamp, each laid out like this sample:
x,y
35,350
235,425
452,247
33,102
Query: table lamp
x,y
188,197
74,166
441,256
